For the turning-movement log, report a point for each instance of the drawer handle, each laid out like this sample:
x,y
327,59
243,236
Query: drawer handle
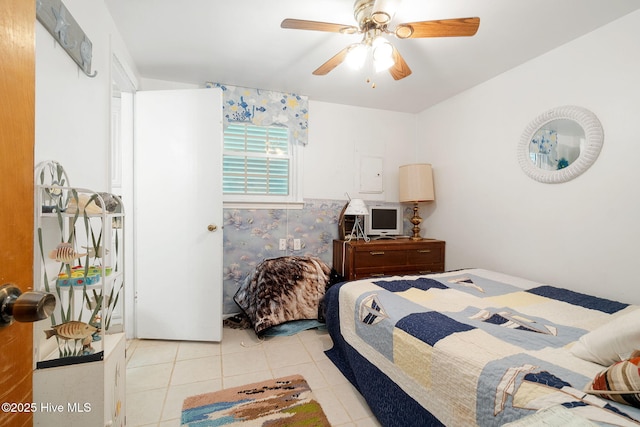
x,y
377,275
426,271
424,251
376,253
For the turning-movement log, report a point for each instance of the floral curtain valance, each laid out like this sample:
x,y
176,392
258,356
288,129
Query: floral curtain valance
x,y
265,108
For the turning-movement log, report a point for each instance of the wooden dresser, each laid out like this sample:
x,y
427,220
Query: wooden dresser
x,y
358,259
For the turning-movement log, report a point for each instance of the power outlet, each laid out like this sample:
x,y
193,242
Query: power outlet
x,y
296,245
282,245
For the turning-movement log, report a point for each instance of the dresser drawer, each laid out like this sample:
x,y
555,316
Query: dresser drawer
x,y
377,257
385,271
429,269
427,255
368,273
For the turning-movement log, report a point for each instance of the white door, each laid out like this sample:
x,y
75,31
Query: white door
x,y
178,220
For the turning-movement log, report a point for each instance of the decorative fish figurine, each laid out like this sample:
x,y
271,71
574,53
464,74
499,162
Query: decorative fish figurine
x,y
72,330
64,253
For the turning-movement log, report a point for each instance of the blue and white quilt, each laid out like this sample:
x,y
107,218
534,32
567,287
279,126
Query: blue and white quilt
x,y
475,347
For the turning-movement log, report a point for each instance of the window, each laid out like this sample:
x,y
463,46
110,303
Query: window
x,y
259,164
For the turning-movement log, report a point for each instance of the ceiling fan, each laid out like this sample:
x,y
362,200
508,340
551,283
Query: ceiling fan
x,y
373,18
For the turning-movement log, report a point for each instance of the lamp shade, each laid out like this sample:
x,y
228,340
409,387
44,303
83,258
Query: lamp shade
x,y
357,207
416,183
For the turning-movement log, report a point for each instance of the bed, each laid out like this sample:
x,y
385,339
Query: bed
x,y
475,347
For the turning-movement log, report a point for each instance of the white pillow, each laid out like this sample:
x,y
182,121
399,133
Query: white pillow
x,y
611,342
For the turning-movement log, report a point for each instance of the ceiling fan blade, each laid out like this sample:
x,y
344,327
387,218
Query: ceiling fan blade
x,y
460,27
332,63
399,70
300,24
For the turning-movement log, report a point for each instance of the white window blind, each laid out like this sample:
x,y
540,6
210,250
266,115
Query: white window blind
x,y
256,160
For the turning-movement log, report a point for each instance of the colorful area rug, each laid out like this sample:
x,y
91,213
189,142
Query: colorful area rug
x,y
284,401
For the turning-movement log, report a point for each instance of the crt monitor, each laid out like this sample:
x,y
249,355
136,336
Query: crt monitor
x,y
383,220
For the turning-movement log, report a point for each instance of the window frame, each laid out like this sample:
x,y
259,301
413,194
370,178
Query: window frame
x,y
265,201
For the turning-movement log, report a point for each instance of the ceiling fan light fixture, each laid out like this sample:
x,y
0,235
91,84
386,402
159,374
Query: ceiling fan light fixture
x,y
382,54
356,56
383,11
382,64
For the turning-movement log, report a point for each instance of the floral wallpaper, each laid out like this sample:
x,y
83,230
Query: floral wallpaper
x,y
265,108
252,235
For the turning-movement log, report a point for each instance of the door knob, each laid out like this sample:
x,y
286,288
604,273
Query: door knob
x,y
24,307
212,227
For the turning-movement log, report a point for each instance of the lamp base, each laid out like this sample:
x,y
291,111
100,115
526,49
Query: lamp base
x,y
357,231
416,220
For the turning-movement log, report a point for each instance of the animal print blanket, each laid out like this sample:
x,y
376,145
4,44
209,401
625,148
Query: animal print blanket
x,y
283,289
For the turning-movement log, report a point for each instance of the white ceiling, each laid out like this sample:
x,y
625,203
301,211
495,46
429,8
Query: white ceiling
x,y
240,43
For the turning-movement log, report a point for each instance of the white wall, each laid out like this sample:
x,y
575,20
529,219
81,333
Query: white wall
x,y
582,234
340,135
73,110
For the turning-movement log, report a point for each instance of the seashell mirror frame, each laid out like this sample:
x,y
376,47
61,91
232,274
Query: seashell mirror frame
x,y
589,149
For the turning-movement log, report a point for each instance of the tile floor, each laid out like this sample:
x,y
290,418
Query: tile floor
x,y
161,374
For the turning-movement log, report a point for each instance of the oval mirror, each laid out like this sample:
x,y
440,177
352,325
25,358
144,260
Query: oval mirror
x,y
560,144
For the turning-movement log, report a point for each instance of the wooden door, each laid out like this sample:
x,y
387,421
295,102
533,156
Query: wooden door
x,y
178,204
17,134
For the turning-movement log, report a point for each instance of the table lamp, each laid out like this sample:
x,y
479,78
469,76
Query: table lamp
x,y
358,208
416,185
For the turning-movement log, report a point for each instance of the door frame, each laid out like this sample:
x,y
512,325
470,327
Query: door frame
x,y
121,161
